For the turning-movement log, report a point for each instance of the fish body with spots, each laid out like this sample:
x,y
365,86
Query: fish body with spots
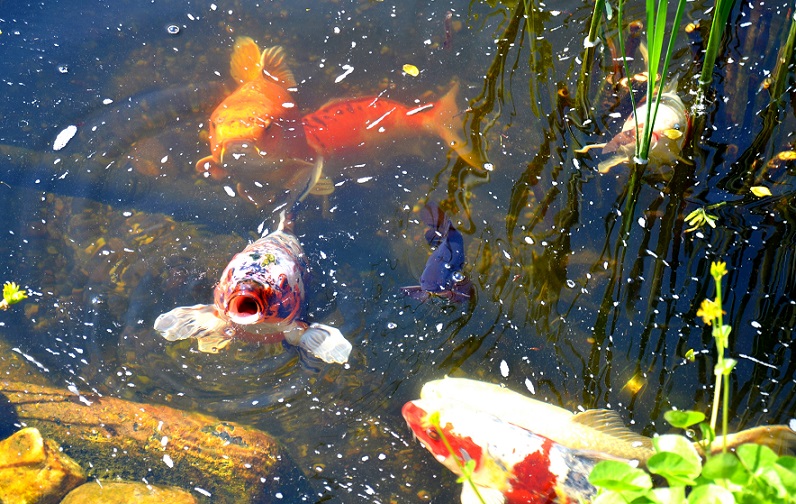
x,y
511,465
258,299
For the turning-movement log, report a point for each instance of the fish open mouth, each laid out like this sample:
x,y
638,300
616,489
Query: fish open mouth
x,y
245,305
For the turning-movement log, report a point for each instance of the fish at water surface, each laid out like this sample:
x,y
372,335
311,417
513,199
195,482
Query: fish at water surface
x,y
443,275
259,298
512,465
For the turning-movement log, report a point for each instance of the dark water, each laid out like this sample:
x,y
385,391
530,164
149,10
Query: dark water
x,y
565,309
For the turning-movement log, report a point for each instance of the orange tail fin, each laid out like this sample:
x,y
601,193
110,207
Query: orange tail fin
x,y
445,124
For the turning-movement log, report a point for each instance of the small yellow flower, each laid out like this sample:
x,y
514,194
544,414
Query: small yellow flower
x,y
411,70
760,191
12,293
709,311
718,269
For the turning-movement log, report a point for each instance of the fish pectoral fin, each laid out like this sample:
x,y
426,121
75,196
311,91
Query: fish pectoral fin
x,y
605,166
609,422
198,321
587,148
483,495
323,187
326,343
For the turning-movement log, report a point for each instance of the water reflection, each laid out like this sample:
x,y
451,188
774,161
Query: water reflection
x,y
582,298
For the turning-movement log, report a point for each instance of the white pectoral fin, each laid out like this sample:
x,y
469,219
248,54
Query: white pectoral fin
x,y
326,343
484,495
198,321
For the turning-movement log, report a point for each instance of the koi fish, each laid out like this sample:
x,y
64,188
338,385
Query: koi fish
x,y
596,430
260,298
512,464
670,131
256,132
443,275
362,126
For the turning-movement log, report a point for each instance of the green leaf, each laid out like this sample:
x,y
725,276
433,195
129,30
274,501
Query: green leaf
x,y
683,419
725,466
677,470
619,476
756,457
786,468
724,367
711,494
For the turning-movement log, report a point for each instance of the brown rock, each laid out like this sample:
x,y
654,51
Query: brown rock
x,y
34,470
127,492
115,438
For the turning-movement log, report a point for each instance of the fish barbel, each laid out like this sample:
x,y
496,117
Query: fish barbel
x,y
260,298
512,464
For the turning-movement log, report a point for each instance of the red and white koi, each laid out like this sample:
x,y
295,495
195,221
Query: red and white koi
x,y
259,298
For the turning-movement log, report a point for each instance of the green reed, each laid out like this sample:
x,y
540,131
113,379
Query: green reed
x,y
721,12
657,14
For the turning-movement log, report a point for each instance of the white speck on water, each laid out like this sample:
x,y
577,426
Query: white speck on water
x,y
229,191
439,327
167,460
365,458
362,180
164,441
391,325
202,491
278,495
323,254
288,105
64,136
529,386
382,456
792,424
348,69
529,240
642,222
107,101
504,369
756,324
164,159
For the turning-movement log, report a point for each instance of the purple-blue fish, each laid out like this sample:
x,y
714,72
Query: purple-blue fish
x,y
444,274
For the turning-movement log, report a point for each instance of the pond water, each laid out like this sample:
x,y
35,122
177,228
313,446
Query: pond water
x,y
117,227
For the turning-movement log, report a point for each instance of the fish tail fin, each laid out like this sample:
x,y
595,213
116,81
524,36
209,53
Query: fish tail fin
x,y
780,438
273,63
326,343
199,321
616,160
443,123
245,64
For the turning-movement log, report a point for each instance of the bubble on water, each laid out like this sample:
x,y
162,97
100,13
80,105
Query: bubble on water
x,y
504,369
173,29
63,69
391,325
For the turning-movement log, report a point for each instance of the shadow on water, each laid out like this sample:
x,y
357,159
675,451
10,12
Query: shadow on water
x,y
586,285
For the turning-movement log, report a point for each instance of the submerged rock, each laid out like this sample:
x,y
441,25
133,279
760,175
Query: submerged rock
x,y
127,492
34,470
225,461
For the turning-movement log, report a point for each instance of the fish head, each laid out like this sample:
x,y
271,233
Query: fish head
x,y
264,283
418,416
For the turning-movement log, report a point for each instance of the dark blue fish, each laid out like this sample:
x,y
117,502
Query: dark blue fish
x,y
443,275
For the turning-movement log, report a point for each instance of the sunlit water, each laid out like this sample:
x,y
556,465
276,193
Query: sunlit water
x,y
564,310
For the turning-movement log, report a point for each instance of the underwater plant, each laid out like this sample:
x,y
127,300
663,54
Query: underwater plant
x,y
12,294
753,473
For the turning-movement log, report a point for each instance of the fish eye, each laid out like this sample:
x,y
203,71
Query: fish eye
x,y
677,126
457,276
432,434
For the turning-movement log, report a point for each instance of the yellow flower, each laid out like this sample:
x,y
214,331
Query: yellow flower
x,y
709,311
718,269
12,293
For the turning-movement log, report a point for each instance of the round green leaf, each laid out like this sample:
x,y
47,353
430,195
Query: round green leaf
x,y
619,476
756,457
725,466
711,494
683,419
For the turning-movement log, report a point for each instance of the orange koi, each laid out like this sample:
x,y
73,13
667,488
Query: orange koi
x,y
360,126
259,118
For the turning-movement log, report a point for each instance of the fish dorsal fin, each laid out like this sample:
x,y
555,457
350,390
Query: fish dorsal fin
x,y
609,422
245,64
273,64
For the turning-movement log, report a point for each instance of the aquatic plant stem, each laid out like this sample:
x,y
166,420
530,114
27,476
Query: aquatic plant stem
x,y
582,93
433,419
721,13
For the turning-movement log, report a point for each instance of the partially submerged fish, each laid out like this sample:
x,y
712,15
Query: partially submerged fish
x,y
671,128
260,298
597,430
256,132
512,464
443,275
360,126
